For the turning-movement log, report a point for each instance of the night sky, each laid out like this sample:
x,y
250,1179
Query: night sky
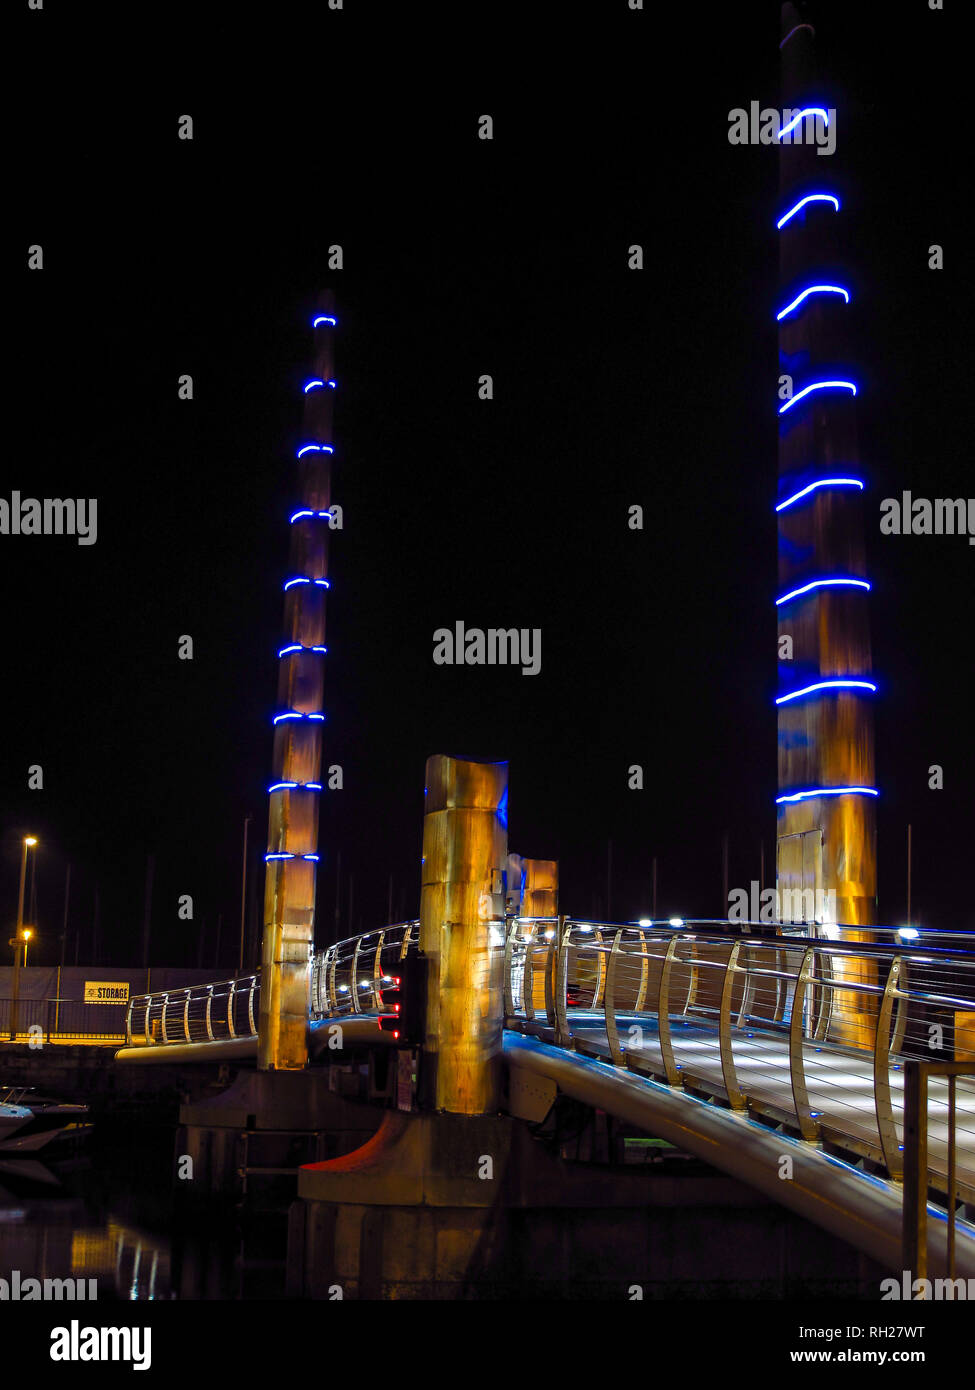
x,y
612,387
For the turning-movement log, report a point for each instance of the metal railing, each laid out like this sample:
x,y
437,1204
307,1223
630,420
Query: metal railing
x,y
772,1004
62,1020
801,1028
196,1014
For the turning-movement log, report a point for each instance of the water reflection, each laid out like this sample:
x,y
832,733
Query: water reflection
x,y
74,1220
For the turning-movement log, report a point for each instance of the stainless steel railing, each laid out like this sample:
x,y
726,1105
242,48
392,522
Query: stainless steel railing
x,y
750,1012
199,1013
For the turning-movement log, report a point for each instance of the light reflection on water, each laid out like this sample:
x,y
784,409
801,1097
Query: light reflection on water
x,y
73,1220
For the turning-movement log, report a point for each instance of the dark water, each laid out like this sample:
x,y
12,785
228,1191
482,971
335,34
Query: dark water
x,y
105,1211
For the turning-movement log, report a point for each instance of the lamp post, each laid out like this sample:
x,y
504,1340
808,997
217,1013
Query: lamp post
x,y
29,842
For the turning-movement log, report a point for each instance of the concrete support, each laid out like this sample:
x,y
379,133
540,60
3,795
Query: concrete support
x,y
465,849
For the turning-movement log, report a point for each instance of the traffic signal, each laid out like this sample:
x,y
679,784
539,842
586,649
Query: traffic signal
x,y
401,1011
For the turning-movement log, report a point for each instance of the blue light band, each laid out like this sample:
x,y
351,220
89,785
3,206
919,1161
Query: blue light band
x,y
323,318
812,289
822,584
809,198
827,791
826,685
295,786
307,511
295,714
315,449
806,111
316,384
817,386
301,579
820,482
297,647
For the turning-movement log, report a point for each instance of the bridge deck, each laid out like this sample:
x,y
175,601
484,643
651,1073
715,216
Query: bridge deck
x,y
839,1080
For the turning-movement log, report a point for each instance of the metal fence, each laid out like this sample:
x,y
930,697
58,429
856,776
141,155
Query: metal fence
x,y
195,1014
62,1020
809,1026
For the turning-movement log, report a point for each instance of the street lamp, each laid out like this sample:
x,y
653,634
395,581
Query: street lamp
x,y
19,936
27,933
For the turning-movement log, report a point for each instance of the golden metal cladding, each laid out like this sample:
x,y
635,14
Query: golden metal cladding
x,y
465,848
541,892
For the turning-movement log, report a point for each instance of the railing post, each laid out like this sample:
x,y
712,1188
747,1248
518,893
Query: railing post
x,y
551,967
186,1017
330,990
128,1023
377,968
165,1011
736,1096
528,978
641,994
507,990
563,1038
609,1002
881,1076
915,1217
800,1094
209,1020
671,1070
354,977
250,1006
230,1009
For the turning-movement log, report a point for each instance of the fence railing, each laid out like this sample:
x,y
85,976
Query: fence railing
x,y
741,1011
198,1013
62,1020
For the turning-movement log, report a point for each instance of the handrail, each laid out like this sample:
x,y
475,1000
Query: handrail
x,y
741,995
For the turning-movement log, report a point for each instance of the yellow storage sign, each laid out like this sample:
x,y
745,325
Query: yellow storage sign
x,y
106,992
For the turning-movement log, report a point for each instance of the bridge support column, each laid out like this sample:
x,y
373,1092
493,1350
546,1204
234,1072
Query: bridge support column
x,y
465,849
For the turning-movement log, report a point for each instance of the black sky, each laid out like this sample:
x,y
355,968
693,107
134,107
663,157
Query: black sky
x,y
613,387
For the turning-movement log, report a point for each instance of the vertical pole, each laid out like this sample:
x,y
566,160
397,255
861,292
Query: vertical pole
x,y
64,942
15,989
338,896
915,1233
609,880
147,907
465,850
292,841
724,874
243,897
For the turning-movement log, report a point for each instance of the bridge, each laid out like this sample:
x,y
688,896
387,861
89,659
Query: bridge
x,y
808,1066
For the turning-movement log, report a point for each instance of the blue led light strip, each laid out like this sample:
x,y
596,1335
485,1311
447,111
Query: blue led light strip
x,y
817,386
301,579
297,647
822,584
812,289
316,384
323,318
315,449
295,714
307,511
282,855
827,791
806,111
826,685
820,482
295,786
809,198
